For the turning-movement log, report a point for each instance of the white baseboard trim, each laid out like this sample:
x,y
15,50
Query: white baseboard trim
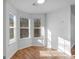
x,y
12,54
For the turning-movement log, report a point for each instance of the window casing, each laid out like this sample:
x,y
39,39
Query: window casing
x,y
11,26
26,30
37,28
24,27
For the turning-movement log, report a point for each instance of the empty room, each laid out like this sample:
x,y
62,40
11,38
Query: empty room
x,y
39,29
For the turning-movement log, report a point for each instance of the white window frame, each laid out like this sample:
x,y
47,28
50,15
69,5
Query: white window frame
x,y
38,28
26,28
13,40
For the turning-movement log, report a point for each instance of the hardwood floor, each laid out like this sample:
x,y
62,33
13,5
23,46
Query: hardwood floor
x,y
34,52
73,50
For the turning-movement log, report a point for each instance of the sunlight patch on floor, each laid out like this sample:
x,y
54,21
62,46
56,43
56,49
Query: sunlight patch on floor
x,y
51,53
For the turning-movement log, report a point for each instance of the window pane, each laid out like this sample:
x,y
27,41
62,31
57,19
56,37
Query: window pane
x,y
11,33
23,22
37,23
24,33
37,32
11,20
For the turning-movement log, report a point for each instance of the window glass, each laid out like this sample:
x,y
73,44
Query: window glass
x,y
37,29
23,22
37,32
37,23
11,20
24,33
11,33
11,26
24,28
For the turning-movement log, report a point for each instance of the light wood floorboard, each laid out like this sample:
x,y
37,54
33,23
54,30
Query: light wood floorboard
x,y
35,52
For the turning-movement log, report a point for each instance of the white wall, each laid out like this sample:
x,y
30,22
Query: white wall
x,y
25,42
4,35
10,48
58,26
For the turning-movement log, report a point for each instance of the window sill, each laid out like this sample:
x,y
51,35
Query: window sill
x,y
11,41
25,38
37,37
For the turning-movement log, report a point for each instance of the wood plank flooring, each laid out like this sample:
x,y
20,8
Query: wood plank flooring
x,y
73,51
35,52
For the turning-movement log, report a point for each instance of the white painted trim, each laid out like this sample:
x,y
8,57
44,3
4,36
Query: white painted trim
x,y
24,27
24,38
11,41
26,47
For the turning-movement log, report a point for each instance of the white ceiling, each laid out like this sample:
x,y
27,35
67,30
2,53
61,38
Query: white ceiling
x,y
50,5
